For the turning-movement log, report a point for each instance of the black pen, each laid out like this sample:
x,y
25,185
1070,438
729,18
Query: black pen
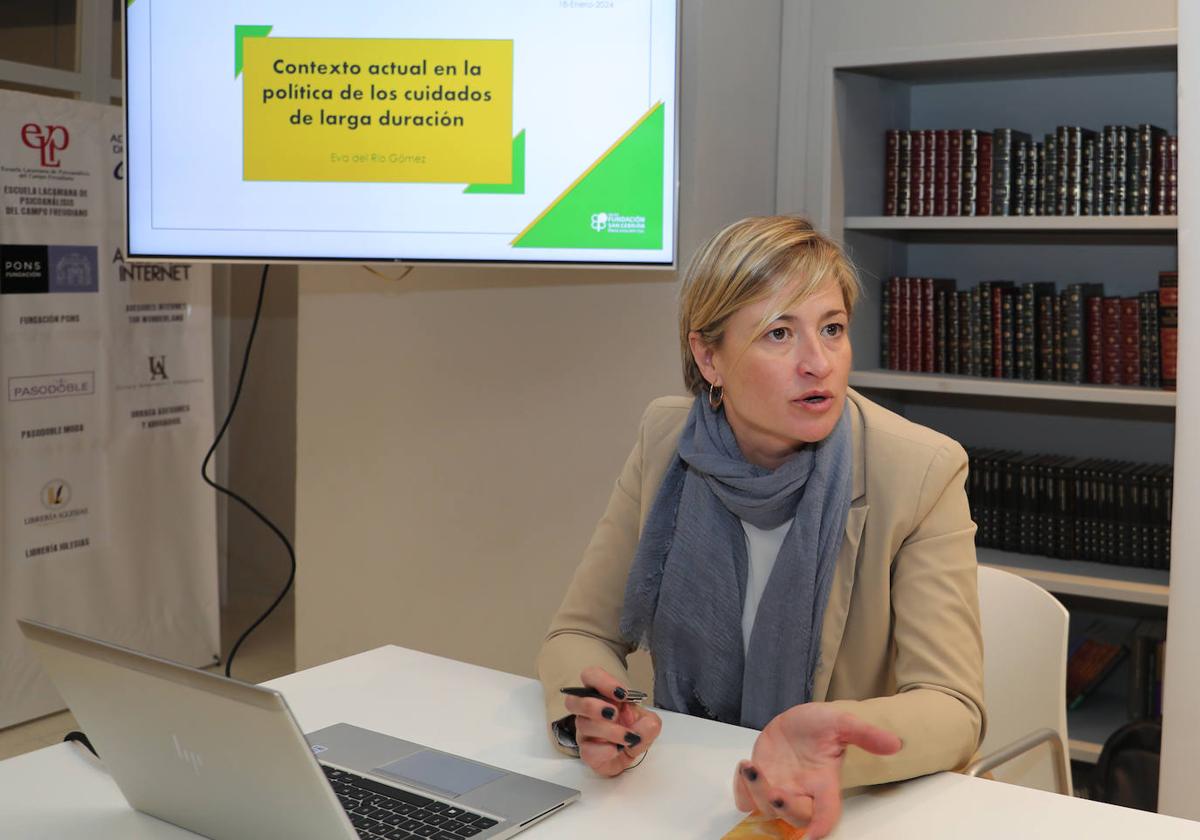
x,y
632,695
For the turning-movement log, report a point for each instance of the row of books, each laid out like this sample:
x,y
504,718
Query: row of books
x,y
1032,331
1148,654
1099,647
1094,509
1124,170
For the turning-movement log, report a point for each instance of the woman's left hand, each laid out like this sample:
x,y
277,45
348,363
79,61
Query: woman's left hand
x,y
795,770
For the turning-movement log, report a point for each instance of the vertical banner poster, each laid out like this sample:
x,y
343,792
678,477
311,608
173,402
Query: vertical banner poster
x,y
105,525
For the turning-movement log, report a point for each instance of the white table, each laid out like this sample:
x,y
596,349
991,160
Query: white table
x,y
680,791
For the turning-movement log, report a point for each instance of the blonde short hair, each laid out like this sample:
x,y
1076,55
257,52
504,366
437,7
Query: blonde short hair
x,y
751,260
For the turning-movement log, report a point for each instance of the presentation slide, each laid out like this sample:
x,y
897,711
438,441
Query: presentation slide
x,y
455,130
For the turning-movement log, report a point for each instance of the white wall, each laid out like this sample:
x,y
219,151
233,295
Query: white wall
x,y
257,458
459,430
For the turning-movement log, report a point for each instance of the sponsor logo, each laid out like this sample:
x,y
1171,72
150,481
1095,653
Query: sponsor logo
x,y
73,271
157,373
158,368
55,494
149,272
80,383
48,140
618,223
117,142
24,269
42,269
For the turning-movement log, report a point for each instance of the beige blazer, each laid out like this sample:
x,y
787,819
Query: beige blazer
x,y
900,640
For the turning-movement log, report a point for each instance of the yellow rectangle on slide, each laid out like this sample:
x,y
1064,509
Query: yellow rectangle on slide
x,y
377,109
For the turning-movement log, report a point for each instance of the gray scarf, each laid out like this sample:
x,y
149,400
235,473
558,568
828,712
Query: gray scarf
x,y
684,595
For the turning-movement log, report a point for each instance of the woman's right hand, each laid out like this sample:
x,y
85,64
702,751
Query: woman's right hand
x,y
612,735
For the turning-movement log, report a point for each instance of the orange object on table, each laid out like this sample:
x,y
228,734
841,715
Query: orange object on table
x,y
758,827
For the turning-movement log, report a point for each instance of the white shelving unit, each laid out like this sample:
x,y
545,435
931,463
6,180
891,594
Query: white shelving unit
x,y
1032,85
1083,579
894,380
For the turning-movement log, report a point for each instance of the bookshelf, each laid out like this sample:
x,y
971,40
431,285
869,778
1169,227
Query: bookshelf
x,y
1096,225
894,380
1033,85
1091,723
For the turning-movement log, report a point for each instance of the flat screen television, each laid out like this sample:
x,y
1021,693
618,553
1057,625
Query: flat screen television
x,y
529,131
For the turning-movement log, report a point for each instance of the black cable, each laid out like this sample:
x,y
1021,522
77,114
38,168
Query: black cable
x,y
76,735
262,289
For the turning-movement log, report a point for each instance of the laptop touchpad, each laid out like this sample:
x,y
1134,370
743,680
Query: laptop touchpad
x,y
440,772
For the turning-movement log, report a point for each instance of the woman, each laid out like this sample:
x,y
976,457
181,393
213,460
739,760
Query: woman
x,y
796,558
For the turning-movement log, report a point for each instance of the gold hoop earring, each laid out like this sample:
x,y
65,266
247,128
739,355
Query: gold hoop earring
x,y
716,396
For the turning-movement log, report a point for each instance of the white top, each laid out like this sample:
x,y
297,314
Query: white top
x,y
762,549
680,791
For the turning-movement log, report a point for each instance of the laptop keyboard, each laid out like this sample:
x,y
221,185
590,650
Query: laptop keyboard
x,y
382,812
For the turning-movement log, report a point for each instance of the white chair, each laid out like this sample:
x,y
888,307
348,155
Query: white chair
x,y
1024,683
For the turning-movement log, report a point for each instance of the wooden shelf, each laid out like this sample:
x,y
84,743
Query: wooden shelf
x,y
1016,224
1079,577
938,383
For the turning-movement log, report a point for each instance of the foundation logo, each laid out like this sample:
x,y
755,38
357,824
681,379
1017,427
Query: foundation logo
x,y
618,223
46,269
48,140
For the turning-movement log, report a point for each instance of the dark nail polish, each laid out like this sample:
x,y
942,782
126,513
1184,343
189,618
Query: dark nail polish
x,y
778,803
609,713
619,693
750,773
632,739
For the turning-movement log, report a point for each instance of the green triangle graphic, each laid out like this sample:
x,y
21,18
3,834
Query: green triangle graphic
x,y
517,185
616,203
241,32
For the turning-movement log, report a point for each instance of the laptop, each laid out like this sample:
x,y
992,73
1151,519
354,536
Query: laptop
x,y
227,760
